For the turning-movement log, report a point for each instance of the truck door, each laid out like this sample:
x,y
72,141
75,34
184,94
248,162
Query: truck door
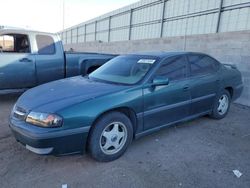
x,y
17,63
49,59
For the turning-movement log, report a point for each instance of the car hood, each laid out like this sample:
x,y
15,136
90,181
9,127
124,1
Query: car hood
x,y
62,93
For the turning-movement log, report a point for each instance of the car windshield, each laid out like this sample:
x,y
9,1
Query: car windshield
x,y
127,69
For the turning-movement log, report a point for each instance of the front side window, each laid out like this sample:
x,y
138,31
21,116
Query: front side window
x,y
45,45
202,64
127,69
14,43
174,68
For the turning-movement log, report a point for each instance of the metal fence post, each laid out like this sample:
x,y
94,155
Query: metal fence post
x,y
85,26
77,34
71,36
66,40
109,29
95,29
219,16
130,24
61,35
186,27
163,16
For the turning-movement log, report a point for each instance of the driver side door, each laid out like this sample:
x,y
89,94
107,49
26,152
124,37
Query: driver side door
x,y
17,64
167,103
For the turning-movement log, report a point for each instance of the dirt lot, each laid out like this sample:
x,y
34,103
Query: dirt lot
x,y
200,153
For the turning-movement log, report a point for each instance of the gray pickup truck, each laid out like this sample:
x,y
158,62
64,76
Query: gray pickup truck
x,y
31,58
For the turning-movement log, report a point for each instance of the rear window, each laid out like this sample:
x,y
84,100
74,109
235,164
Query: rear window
x,y
45,45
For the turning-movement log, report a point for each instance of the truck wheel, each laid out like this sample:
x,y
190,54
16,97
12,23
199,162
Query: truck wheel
x,y
110,137
222,105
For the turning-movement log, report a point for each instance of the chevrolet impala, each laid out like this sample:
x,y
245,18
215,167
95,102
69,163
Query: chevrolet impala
x,y
128,97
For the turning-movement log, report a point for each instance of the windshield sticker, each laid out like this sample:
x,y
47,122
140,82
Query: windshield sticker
x,y
147,61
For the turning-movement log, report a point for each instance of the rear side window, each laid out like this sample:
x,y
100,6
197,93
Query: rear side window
x,y
174,68
45,45
201,65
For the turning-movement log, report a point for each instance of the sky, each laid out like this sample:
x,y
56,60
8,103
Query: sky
x,y
47,15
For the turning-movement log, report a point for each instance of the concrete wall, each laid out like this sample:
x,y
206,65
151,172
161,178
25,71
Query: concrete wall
x,y
231,47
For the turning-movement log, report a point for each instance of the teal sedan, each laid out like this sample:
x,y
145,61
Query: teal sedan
x,y
128,97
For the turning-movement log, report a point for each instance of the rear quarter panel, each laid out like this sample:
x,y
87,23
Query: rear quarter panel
x,y
231,77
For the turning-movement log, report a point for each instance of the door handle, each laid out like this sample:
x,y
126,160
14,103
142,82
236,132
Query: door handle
x,y
25,60
186,88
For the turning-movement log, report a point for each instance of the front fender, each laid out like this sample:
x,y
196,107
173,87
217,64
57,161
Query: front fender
x,y
85,113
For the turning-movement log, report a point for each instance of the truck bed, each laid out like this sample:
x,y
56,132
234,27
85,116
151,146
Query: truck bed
x,y
82,63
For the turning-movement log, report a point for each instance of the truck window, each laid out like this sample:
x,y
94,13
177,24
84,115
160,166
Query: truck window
x,y
14,43
45,45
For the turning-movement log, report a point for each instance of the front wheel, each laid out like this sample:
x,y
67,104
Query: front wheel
x,y
222,105
110,137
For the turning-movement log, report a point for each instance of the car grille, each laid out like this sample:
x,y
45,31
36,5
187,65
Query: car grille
x,y
19,113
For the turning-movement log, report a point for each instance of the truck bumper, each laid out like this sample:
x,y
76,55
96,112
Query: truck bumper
x,y
42,141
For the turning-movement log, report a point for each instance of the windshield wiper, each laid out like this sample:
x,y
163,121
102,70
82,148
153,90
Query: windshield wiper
x,y
108,82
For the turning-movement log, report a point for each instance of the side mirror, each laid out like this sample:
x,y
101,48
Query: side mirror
x,y
160,81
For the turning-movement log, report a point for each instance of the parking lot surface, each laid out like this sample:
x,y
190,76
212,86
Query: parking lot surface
x,y
199,153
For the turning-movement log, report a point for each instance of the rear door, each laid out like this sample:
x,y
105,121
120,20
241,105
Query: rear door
x,y
204,82
168,103
49,58
17,63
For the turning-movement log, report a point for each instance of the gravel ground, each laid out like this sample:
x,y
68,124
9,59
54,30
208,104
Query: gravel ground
x,y
199,153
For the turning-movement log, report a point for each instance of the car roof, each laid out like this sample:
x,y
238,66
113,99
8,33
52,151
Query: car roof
x,y
165,54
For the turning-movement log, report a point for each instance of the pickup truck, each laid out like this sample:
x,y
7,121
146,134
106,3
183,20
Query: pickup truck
x,y
30,58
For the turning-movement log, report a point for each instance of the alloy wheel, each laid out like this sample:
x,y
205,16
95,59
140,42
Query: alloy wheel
x,y
223,104
113,138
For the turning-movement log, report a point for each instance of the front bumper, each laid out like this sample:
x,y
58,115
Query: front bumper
x,y
49,140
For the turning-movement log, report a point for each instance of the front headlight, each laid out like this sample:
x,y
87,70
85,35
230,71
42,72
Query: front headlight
x,y
44,119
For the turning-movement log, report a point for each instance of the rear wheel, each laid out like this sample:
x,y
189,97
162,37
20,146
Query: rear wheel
x,y
110,137
222,105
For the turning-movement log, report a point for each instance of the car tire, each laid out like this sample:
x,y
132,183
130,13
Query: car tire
x,y
110,137
221,105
